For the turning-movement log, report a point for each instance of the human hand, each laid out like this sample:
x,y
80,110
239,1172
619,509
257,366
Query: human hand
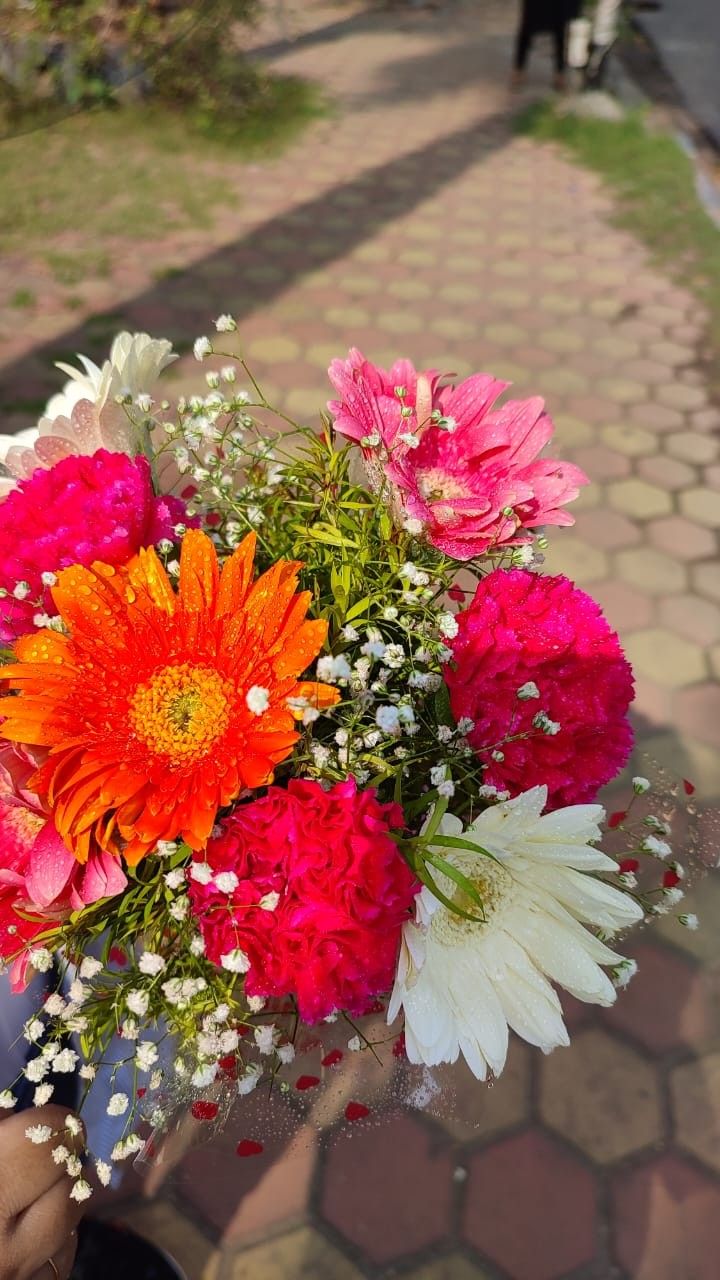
x,y
37,1217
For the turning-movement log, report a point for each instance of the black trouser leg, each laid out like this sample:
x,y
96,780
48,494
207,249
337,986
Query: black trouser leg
x,y
559,42
522,46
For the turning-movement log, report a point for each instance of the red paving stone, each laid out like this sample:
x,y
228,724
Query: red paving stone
x,y
666,1005
667,1221
531,1208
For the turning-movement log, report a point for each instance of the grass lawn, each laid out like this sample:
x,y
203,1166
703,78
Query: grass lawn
x,y
134,172
654,184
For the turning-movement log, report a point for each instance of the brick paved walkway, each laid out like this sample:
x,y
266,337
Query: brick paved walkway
x,y
414,222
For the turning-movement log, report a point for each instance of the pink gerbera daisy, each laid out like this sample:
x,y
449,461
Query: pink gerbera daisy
x,y
466,475
545,683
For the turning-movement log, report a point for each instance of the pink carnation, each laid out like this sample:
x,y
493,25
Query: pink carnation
x,y
524,629
332,937
40,880
470,475
91,507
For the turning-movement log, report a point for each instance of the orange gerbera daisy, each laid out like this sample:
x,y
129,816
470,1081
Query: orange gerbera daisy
x,y
159,707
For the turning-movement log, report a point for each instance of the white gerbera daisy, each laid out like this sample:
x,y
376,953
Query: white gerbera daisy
x,y
462,983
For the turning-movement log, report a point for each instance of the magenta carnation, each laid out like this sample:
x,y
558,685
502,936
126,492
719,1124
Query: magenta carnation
x,y
92,507
469,475
523,629
321,898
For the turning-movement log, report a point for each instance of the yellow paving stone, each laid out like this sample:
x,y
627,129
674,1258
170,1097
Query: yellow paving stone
x,y
651,571
468,1112
714,660
509,298
629,439
607,275
470,235
453,1267
273,350
301,1255
509,267
561,340
576,558
703,505
346,317
622,390
306,402
560,272
706,579
639,498
424,231
702,900
590,496
165,1226
458,292
570,431
690,446
505,333
608,308
400,322
665,657
453,327
671,353
695,1094
616,348
321,353
508,371
601,1095
371,252
678,395
412,290
422,258
360,285
564,304
564,382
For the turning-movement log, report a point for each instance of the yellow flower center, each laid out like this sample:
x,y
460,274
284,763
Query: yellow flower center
x,y
181,711
438,487
493,883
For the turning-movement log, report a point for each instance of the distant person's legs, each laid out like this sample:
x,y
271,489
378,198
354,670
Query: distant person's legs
x,y
523,40
559,34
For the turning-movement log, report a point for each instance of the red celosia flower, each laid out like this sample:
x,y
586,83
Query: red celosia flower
x,y
98,507
470,474
322,896
523,629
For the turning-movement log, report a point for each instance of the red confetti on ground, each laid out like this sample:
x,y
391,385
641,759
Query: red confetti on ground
x,y
356,1111
228,1066
670,879
399,1046
248,1147
306,1082
204,1110
189,492
456,593
117,956
628,865
689,787
213,518
616,818
141,1093
332,1058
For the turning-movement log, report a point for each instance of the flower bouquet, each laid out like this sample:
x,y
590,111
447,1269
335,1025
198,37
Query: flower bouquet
x,y
300,750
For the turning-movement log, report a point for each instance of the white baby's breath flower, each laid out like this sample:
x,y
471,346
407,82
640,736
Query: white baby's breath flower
x,y
286,1053
202,347
463,982
7,1100
39,1133
249,1080
225,324
265,1038
43,1094
269,902
87,1071
73,1166
104,1172
660,848
226,881
354,1044
60,1154
387,718
146,1055
129,1029
179,909
256,1004
36,1069
197,946
81,1190
448,625
174,879
257,699
73,1125
202,872
33,1030
235,961
528,690
446,789
54,1005
204,1075
41,959
138,1002
66,1061
90,967
151,963
118,1104
640,786
465,725
689,921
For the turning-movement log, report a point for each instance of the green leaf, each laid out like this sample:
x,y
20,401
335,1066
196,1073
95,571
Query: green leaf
x,y
467,886
442,706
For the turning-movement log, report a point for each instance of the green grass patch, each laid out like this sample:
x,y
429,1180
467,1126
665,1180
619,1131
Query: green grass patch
x,y
135,172
23,298
654,184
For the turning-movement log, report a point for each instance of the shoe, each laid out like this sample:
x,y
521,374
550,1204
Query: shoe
x,y
111,1250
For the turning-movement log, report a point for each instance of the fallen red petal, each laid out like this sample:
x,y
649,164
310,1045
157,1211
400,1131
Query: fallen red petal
x,y
456,593
306,1082
616,818
332,1058
689,787
670,879
201,1110
141,1093
628,865
356,1111
249,1147
228,1066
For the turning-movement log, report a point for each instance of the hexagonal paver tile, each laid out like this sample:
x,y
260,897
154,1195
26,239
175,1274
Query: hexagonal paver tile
x,y
454,1267
698,713
303,1254
602,463
651,571
682,538
665,657
666,1221
666,473
626,609
577,558
706,579
702,505
469,1110
607,529
163,1225
704,900
695,1093
530,1207
376,1214
695,619
678,395
626,1111
629,439
666,1005
273,350
639,499
690,446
